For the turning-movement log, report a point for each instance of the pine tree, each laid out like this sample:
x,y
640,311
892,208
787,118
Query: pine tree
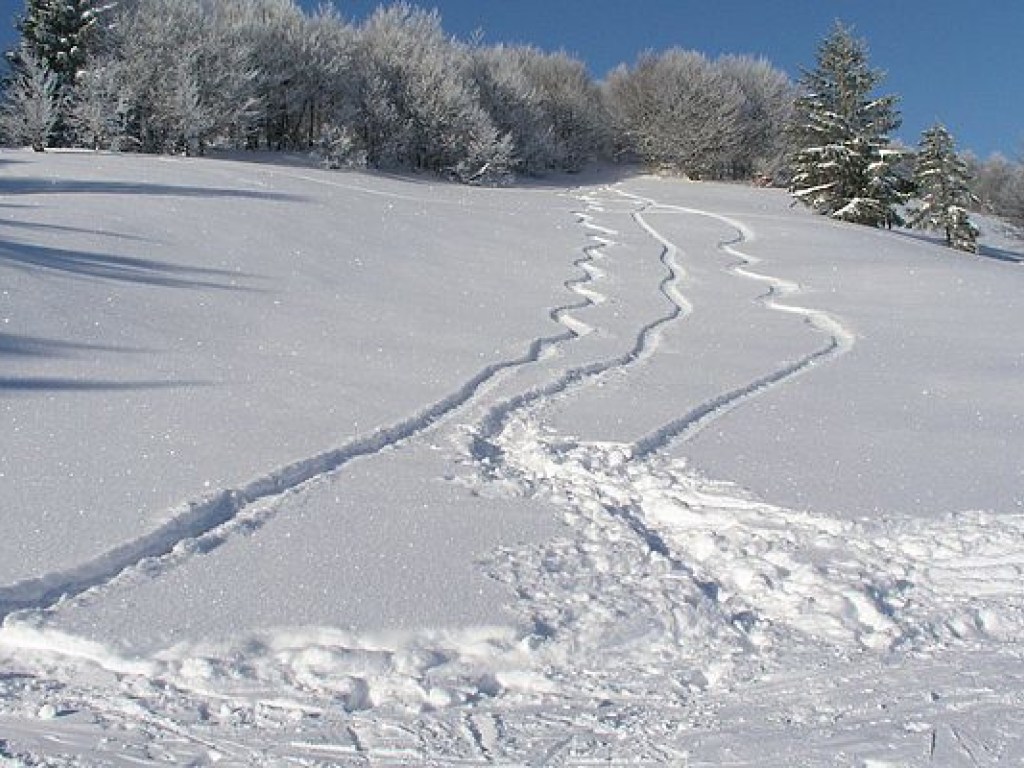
x,y
57,34
942,182
843,163
58,31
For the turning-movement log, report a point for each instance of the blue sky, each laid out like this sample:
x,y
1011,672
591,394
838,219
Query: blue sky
x,y
954,61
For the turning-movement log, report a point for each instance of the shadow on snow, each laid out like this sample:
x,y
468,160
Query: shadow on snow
x,y
14,345
35,186
119,268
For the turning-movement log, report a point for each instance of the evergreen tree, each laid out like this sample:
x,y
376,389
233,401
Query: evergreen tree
x,y
942,182
56,33
843,164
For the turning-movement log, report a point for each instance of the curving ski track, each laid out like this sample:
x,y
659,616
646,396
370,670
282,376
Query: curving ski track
x,y
645,345
840,339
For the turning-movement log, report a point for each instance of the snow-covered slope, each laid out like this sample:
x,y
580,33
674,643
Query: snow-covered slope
x,y
302,467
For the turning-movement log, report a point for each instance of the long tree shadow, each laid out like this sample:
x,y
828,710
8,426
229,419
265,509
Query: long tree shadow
x,y
120,268
36,186
42,384
1001,254
986,251
17,345
32,226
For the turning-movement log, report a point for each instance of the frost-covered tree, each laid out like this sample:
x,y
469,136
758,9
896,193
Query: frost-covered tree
x,y
941,178
843,164
186,79
546,103
765,112
676,110
574,124
417,104
30,110
681,111
998,186
98,113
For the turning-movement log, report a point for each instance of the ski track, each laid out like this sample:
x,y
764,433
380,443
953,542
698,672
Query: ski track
x,y
644,346
840,339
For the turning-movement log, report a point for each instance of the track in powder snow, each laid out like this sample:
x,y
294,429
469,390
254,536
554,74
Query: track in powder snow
x,y
669,588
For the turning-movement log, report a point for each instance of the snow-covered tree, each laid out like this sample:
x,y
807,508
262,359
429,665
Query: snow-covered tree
x,y
58,32
574,123
843,164
766,110
98,113
546,103
186,78
941,178
998,186
676,110
30,110
417,106
682,111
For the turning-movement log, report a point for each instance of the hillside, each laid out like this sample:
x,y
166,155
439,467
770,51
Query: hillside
x,y
330,468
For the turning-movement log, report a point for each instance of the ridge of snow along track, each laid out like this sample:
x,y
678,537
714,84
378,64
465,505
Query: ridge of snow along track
x,y
579,285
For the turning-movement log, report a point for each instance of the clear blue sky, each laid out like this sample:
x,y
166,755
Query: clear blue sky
x,y
955,61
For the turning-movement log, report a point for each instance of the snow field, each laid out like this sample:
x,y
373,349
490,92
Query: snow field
x,y
521,556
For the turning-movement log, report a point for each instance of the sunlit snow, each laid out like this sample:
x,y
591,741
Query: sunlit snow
x,y
332,468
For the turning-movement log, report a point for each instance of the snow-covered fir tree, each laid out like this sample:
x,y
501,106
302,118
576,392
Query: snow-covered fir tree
x,y
942,181
843,163
57,31
57,35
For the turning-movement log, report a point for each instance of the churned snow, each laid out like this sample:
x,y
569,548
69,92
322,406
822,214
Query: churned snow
x,y
307,467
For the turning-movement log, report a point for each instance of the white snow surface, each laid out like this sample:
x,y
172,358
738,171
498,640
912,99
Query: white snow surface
x,y
302,467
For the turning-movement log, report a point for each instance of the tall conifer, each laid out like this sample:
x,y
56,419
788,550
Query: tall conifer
x,y
843,163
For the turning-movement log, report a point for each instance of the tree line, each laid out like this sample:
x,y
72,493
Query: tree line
x,y
397,92
392,92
